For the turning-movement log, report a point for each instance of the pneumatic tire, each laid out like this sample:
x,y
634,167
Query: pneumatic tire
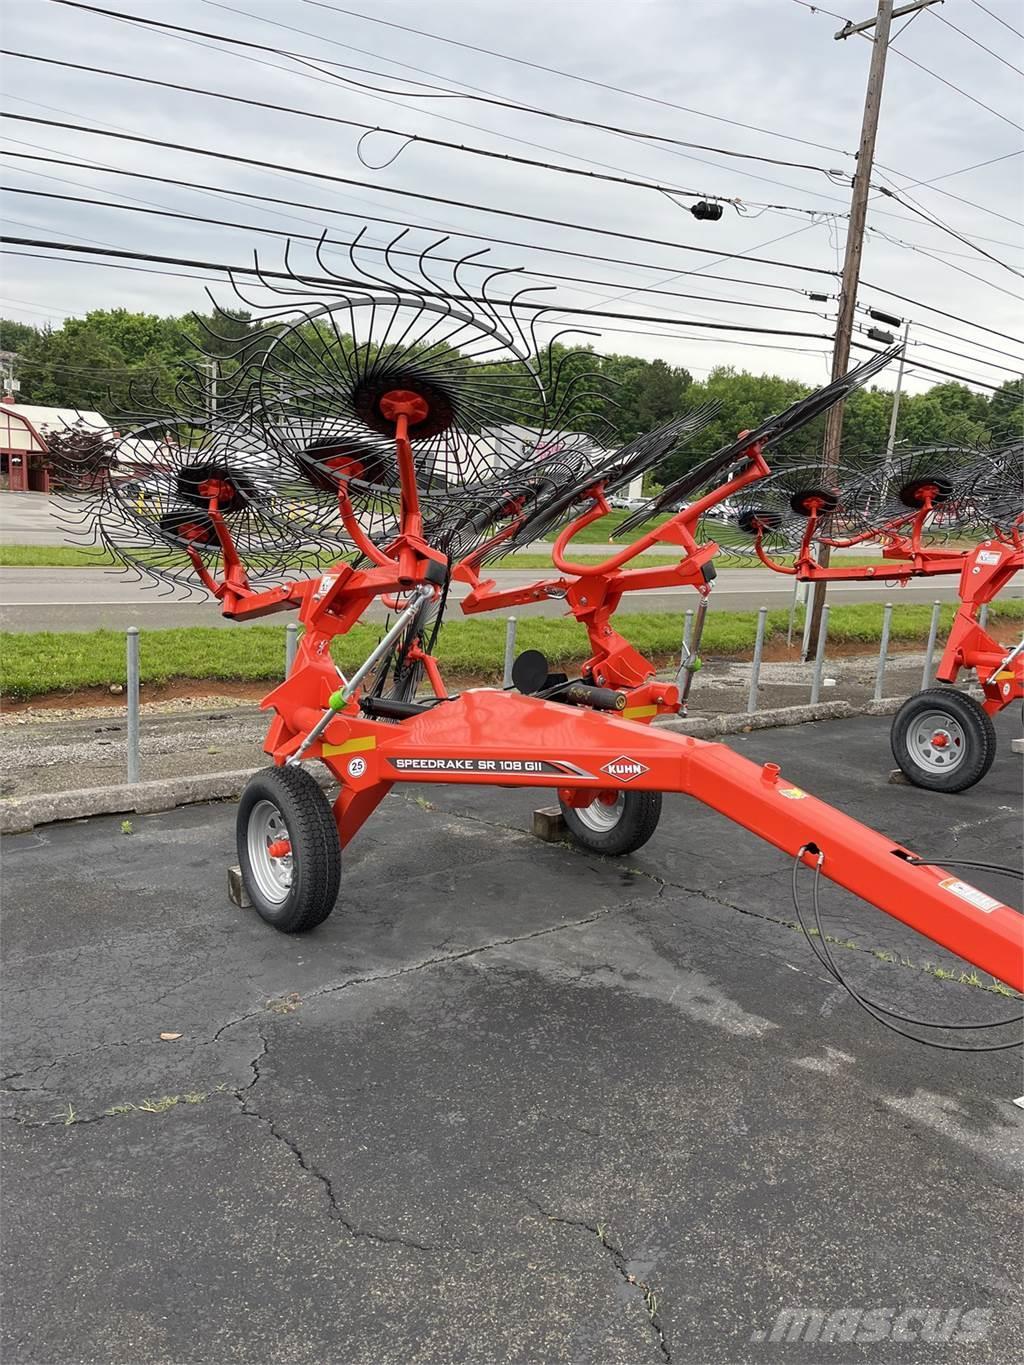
x,y
288,848
943,740
614,828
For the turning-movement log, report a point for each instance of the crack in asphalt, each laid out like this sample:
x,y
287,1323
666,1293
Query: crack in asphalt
x,y
334,1208
439,959
664,884
621,1262
371,978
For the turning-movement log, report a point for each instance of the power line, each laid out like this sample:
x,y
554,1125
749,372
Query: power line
x,y
644,138
930,307
949,24
427,91
232,270
630,136
390,250
530,246
568,75
410,138
971,203
285,275
996,17
408,194
933,369
630,331
949,84
944,227
959,355
232,9
913,62
955,336
397,222
559,278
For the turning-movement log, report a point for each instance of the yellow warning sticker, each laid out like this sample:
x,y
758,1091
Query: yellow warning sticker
x,y
792,793
970,894
350,746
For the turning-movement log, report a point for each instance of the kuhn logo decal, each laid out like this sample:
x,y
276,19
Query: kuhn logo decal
x,y
624,768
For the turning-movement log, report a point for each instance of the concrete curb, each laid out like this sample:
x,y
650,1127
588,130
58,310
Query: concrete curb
x,y
19,814
710,727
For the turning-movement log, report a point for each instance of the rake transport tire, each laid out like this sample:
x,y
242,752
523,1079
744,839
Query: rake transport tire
x,y
616,827
943,740
288,848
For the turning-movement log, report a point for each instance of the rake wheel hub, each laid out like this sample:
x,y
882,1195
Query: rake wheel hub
x,y
379,402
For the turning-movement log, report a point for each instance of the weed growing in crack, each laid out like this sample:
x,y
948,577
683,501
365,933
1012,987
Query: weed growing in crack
x,y
284,1004
163,1103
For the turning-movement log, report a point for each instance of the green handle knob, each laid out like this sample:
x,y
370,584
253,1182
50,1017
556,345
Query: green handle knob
x,y
336,701
696,665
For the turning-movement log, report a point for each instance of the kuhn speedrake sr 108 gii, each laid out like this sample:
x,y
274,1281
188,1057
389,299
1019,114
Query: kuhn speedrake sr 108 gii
x,y
905,508
417,431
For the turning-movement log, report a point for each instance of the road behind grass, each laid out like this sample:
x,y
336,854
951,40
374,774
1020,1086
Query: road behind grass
x,y
91,599
509,1104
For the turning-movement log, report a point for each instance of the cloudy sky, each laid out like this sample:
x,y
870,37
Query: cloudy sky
x,y
760,77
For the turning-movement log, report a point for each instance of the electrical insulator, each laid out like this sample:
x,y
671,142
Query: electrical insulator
x,y
705,210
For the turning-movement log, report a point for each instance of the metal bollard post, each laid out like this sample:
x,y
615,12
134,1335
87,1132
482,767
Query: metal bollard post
x,y
133,703
687,634
808,617
983,617
510,650
819,657
883,650
291,644
933,631
755,667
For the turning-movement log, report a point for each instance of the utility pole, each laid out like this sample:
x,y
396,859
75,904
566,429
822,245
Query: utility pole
x,y
211,369
896,401
854,248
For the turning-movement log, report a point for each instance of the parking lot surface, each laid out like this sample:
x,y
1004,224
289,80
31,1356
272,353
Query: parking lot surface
x,y
511,1103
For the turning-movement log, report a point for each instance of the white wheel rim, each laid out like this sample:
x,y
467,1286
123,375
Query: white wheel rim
x,y
600,816
936,741
273,876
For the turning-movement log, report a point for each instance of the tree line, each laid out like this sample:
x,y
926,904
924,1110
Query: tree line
x,y
106,359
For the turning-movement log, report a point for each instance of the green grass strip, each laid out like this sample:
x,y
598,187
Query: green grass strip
x,y
34,664
78,557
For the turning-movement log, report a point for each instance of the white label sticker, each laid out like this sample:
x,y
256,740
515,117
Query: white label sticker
x,y
987,557
326,584
971,894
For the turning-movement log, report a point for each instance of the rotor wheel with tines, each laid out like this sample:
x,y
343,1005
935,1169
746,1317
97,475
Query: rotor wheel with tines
x,y
996,492
773,513
892,490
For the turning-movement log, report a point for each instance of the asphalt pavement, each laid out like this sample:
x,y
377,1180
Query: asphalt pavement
x,y
87,599
510,1103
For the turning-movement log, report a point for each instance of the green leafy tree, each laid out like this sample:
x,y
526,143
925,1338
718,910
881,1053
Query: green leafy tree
x,y
1006,412
14,335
